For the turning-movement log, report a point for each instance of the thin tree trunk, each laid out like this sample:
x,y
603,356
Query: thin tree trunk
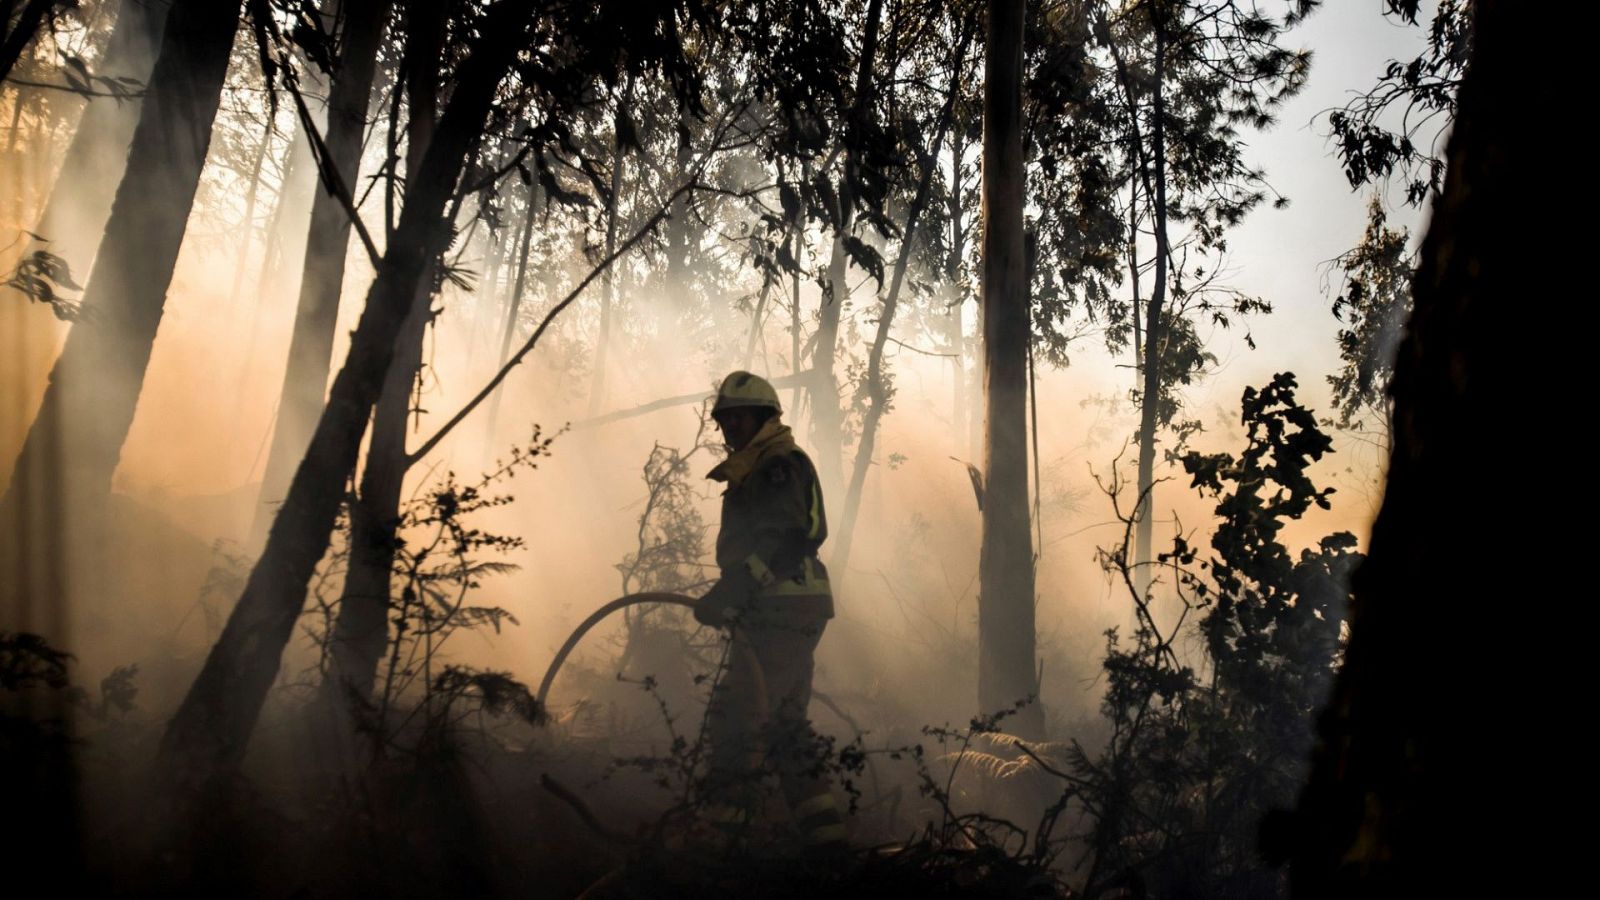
x,y
1153,171
247,227
28,163
959,416
252,317
877,388
208,735
796,247
827,414
976,407
1006,649
15,128
75,215
608,297
305,378
488,293
754,337
676,232
66,112
291,213
284,257
509,329
361,632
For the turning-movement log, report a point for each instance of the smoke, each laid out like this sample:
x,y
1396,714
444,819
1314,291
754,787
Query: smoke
x,y
154,587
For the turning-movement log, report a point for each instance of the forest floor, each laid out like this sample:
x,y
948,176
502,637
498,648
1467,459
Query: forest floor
x,y
487,821
593,801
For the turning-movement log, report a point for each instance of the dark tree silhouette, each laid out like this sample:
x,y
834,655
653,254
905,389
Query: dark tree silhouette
x,y
1394,796
362,628
327,241
207,736
63,472
74,217
1006,646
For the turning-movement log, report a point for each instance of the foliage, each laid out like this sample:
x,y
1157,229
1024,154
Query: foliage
x,y
37,698
1422,92
41,276
1202,749
442,558
1272,622
28,661
672,533
1075,251
1136,121
437,575
482,692
1373,303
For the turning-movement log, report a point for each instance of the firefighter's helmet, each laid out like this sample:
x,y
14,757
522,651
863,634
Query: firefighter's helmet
x,y
744,389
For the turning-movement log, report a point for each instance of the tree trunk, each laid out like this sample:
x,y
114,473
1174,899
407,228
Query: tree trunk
x,y
488,292
755,336
361,631
1395,793
327,241
877,387
676,232
26,28
486,299
1155,332
509,329
827,415
65,467
74,215
208,735
247,225
608,297
285,252
252,317
283,241
956,333
1150,339
1006,600
796,248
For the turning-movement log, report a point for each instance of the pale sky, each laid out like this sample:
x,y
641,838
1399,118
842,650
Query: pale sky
x,y
1279,254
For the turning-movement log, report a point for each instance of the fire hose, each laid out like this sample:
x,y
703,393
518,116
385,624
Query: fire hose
x,y
667,599
662,597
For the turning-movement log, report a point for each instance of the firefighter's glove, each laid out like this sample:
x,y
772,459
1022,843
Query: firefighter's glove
x,y
734,590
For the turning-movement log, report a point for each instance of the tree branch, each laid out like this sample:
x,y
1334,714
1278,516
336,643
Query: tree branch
x,y
621,249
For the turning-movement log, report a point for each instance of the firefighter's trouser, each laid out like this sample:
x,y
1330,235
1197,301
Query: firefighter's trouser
x,y
752,732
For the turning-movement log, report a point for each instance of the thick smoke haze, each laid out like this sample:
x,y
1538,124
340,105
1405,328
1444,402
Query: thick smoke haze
x,y
153,577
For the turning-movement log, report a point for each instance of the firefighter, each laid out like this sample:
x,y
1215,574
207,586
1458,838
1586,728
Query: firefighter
x,y
774,596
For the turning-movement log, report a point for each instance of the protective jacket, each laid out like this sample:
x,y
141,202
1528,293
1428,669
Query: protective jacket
x,y
773,521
